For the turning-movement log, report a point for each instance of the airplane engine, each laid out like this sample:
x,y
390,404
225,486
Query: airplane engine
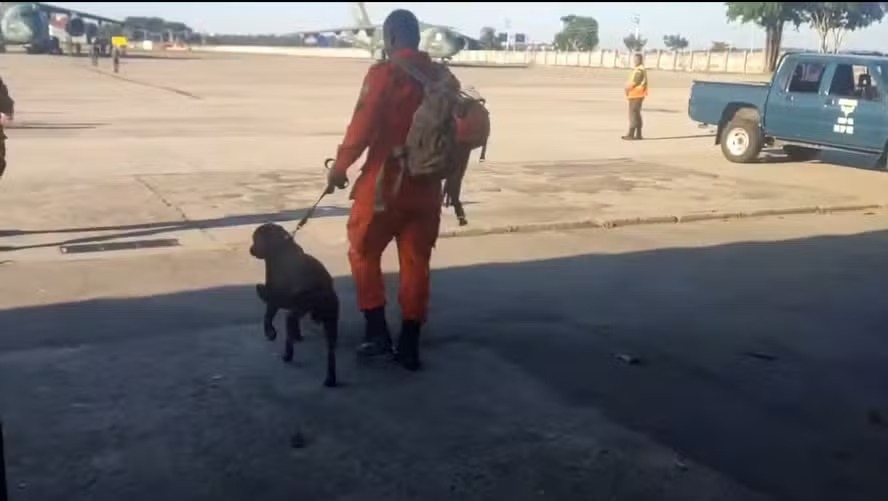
x,y
92,30
75,27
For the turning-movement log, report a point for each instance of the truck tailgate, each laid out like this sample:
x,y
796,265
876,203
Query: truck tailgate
x,y
708,100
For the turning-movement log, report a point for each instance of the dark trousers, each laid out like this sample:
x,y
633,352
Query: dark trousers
x,y
2,155
635,114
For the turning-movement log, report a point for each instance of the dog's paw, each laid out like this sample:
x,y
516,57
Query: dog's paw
x,y
287,357
270,333
330,383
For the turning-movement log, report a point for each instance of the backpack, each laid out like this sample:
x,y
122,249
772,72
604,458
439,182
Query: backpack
x,y
447,118
427,151
472,121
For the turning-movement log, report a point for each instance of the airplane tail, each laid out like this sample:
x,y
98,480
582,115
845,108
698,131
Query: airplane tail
x,y
360,14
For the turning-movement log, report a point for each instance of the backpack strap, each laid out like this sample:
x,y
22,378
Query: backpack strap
x,y
411,70
398,153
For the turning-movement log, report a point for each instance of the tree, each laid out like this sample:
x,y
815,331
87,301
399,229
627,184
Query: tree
x,y
772,16
488,39
634,43
835,19
675,42
720,47
578,33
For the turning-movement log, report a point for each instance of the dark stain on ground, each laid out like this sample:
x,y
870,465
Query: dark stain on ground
x,y
40,125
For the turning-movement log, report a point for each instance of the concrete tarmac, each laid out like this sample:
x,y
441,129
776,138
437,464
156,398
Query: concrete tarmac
x,y
721,360
203,147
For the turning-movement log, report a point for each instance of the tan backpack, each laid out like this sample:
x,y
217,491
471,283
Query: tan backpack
x,y
432,135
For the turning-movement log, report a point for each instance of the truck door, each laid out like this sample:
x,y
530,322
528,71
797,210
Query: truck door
x,y
855,103
795,104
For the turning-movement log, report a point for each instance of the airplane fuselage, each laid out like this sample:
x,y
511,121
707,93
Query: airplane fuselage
x,y
438,42
28,24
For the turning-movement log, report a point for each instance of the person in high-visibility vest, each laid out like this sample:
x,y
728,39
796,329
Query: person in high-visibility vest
x,y
636,90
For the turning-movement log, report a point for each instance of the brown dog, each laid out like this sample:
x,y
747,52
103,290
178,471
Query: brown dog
x,y
299,283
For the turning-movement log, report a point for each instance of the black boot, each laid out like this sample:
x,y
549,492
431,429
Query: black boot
x,y
377,340
630,136
407,353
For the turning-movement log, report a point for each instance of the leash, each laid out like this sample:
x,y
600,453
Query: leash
x,y
328,164
4,492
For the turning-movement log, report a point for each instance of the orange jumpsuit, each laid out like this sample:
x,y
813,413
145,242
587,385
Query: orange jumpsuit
x,y
412,216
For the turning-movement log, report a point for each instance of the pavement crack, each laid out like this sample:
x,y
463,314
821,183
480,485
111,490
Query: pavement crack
x,y
154,191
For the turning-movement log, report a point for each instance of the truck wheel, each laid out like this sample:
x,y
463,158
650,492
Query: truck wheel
x,y
800,153
741,141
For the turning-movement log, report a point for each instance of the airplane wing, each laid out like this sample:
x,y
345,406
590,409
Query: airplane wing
x,y
53,9
355,29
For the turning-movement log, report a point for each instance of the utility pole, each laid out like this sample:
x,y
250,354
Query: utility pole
x,y
508,32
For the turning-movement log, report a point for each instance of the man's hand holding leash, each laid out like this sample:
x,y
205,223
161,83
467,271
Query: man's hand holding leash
x,y
336,179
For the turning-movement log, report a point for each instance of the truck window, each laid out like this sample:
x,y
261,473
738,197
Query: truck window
x,y
854,81
806,77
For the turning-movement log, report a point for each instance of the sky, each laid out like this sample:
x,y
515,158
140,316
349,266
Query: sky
x,y
700,23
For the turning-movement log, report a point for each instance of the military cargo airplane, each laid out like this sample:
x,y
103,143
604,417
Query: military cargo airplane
x,y
440,42
27,24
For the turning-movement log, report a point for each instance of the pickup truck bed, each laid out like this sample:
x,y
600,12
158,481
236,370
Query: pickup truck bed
x,y
813,102
709,101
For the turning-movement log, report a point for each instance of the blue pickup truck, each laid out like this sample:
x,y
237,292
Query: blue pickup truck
x,y
813,102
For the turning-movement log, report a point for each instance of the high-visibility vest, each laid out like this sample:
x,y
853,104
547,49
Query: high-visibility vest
x,y
637,91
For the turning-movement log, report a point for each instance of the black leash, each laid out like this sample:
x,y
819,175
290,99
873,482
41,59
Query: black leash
x,y
328,164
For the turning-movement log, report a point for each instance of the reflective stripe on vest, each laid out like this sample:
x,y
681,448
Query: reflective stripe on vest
x,y
640,90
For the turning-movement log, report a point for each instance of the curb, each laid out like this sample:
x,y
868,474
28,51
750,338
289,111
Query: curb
x,y
653,220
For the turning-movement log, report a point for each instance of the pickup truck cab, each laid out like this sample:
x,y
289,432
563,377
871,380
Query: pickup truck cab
x,y
813,102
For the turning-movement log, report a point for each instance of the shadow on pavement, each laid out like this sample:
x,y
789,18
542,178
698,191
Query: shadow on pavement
x,y
170,57
775,155
30,125
762,361
148,229
692,136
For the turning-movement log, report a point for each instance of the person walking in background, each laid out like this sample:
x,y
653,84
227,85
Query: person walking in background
x,y
7,112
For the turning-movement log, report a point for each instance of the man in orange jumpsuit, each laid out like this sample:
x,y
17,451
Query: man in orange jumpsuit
x,y
381,119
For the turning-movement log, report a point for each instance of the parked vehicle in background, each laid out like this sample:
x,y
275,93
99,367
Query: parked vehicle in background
x,y
813,102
